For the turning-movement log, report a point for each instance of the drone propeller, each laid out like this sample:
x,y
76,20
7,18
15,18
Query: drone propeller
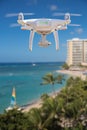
x,y
71,14
62,14
75,14
16,14
76,25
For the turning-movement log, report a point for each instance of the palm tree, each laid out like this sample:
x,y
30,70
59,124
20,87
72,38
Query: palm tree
x,y
44,97
50,112
36,121
74,81
51,79
70,82
65,66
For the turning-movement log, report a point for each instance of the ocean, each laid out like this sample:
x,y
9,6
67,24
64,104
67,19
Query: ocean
x,y
26,78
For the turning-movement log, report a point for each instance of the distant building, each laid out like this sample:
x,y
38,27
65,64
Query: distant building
x,y
76,51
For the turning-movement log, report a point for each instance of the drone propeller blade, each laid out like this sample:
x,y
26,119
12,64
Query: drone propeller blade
x,y
14,25
62,14
76,14
58,14
16,14
76,25
11,15
28,14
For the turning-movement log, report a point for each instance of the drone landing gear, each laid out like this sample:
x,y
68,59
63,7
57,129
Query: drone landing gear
x,y
56,39
31,39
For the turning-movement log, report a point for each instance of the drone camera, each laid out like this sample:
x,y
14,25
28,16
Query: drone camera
x,y
44,44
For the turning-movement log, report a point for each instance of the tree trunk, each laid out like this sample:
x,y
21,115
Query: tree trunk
x,y
54,93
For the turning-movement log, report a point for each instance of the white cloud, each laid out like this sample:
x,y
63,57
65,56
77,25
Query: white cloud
x,y
58,14
79,30
64,45
71,33
53,7
32,2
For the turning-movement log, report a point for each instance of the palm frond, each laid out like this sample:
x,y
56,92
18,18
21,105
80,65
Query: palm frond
x,y
34,116
46,79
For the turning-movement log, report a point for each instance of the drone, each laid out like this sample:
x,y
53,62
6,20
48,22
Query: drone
x,y
43,26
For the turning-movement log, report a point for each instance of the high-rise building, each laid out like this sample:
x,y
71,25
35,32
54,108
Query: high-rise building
x,y
76,51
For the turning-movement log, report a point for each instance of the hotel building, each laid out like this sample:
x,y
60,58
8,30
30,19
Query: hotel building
x,y
76,51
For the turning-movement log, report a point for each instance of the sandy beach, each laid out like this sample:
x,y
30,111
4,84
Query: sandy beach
x,y
37,103
73,73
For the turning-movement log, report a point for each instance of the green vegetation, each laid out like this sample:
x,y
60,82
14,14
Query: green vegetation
x,y
51,79
13,120
67,111
65,66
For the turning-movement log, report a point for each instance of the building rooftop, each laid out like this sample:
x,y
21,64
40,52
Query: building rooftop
x,y
77,39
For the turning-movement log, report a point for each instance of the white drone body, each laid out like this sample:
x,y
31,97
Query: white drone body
x,y
43,27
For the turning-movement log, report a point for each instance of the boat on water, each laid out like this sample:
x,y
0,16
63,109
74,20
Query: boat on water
x,y
13,101
13,104
33,64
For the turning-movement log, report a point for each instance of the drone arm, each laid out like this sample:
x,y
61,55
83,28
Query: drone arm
x,y
56,39
31,39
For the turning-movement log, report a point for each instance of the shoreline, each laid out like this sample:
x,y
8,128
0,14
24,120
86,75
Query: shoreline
x,y
34,104
37,103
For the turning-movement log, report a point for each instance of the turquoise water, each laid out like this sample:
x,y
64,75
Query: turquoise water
x,y
26,78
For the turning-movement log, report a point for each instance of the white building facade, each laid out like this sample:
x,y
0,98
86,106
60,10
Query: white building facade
x,y
76,51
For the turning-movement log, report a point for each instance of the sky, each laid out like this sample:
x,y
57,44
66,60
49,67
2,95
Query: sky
x,y
14,42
